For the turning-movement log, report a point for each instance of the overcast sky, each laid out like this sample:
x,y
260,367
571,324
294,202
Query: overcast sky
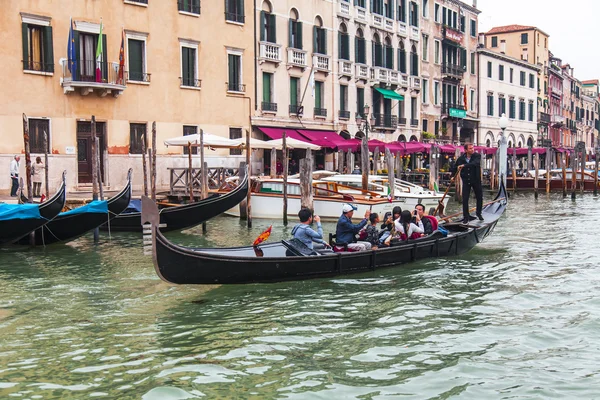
x,y
571,26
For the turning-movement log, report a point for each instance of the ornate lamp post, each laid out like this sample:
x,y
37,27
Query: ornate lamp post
x,y
502,149
365,124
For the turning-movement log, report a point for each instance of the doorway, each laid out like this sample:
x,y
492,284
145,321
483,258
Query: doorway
x,y
84,150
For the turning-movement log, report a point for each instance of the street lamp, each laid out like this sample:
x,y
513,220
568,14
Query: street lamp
x,y
502,156
365,123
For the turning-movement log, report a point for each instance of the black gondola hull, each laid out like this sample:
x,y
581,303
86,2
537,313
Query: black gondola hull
x,y
181,265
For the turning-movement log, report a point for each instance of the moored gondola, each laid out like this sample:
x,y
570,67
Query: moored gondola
x,y
184,216
289,260
17,220
72,224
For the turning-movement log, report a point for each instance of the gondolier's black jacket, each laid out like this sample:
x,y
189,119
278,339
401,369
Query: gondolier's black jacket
x,y
471,172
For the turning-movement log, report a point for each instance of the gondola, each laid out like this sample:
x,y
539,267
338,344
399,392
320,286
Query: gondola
x,y
17,220
184,216
72,224
290,260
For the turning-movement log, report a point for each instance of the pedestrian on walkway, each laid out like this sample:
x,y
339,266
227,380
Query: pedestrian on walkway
x,y
38,174
14,175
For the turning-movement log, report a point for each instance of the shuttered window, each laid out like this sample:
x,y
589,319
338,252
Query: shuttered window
x,y
191,6
188,67
360,55
136,60
38,53
344,46
320,40
268,27
490,105
137,135
512,112
234,11
295,34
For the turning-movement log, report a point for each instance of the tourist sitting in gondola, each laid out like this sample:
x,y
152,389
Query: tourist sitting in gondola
x,y
346,231
372,232
304,233
388,224
405,229
427,224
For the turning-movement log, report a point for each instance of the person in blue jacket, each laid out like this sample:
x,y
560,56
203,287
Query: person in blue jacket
x,y
307,235
345,231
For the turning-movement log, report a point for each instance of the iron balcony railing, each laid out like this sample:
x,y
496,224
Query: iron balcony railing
x,y
235,17
452,70
296,109
320,112
138,1
190,82
447,106
402,121
103,73
544,118
236,87
138,76
386,120
30,65
344,114
414,122
269,107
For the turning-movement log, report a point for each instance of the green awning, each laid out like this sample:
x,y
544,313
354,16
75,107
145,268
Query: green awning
x,y
390,94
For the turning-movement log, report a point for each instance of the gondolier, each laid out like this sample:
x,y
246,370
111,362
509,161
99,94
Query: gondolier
x,y
471,179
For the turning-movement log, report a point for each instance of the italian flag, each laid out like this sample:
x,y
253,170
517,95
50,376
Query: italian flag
x,y
99,52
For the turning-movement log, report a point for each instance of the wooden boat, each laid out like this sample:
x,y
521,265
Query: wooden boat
x,y
287,260
328,199
183,216
556,180
72,224
14,227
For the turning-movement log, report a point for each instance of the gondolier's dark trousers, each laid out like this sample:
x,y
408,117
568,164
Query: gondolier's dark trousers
x,y
466,192
15,185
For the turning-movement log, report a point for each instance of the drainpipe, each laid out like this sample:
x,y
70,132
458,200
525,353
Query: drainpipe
x,y
255,66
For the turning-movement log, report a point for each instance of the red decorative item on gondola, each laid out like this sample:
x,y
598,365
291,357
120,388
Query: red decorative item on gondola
x,y
263,236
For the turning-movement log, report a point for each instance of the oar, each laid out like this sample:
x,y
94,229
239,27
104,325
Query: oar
x,y
440,206
446,218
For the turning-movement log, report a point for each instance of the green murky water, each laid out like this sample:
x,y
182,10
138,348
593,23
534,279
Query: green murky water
x,y
518,317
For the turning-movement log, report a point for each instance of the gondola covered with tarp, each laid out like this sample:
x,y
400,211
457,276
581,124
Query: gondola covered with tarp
x,y
72,224
290,260
18,220
183,216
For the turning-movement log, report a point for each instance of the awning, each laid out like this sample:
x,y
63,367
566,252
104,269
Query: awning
x,y
328,139
277,133
351,144
376,143
208,139
390,94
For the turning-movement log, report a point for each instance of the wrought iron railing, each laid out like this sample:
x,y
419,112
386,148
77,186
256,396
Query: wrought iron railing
x,y
270,107
138,76
296,109
453,70
320,112
402,121
344,114
191,6
108,73
235,17
190,82
236,87
386,120
414,122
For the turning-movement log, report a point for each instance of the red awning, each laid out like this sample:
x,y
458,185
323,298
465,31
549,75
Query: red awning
x,y
376,143
328,139
277,133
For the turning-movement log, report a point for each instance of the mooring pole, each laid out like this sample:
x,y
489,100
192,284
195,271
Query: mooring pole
x,y
285,178
94,171
153,175
46,178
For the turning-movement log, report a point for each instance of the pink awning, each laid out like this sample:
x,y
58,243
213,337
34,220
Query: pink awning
x,y
407,147
328,139
376,143
351,144
277,133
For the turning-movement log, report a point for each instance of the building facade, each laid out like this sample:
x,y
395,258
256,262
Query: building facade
x,y
450,101
507,86
553,122
176,72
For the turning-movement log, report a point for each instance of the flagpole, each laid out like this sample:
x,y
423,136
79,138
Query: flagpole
x,y
310,78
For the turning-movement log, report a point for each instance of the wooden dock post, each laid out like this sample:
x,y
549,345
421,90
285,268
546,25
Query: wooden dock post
x,y
596,172
389,160
537,175
306,189
582,163
190,181
244,203
458,180
340,169
364,162
94,170
285,177
375,160
573,175
144,165
273,172
493,172
249,166
548,168
433,167
563,162
27,158
514,169
153,163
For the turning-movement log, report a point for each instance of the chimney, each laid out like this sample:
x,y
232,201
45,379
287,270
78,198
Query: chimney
x,y
474,3
503,46
481,40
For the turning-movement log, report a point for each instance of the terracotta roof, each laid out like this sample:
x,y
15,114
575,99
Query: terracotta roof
x,y
590,82
509,28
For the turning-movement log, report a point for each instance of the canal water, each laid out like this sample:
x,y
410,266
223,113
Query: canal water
x,y
517,317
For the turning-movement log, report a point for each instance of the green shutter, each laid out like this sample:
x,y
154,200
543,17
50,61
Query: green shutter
x,y
318,90
463,57
184,65
25,34
356,52
324,39
48,50
290,33
75,73
273,31
315,43
266,87
293,91
342,98
340,45
263,35
231,67
135,60
104,58
299,34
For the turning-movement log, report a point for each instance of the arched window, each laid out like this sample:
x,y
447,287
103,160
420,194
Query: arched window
x,y
530,142
267,24
377,51
360,47
414,61
388,54
359,135
319,37
413,138
343,43
295,30
401,58
402,138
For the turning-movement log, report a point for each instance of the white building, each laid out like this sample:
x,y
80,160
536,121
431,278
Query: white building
x,y
507,85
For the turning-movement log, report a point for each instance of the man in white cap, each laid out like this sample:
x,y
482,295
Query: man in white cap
x,y
14,175
345,231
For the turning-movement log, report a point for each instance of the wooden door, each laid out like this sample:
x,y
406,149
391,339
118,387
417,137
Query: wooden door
x,y
84,150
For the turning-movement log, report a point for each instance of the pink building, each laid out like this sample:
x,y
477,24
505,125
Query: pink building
x,y
555,120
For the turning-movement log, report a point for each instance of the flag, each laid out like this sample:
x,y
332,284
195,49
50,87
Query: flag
x,y
312,82
435,187
71,53
122,59
465,97
263,236
389,196
99,52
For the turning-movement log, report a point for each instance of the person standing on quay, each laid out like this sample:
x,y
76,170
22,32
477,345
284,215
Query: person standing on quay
x,y
14,175
471,179
38,174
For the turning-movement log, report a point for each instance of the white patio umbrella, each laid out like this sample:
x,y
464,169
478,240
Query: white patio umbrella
x,y
277,144
210,140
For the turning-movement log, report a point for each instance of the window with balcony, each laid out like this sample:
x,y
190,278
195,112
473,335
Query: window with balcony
x,y
189,67
38,129
234,65
235,133
436,51
268,27
344,44
414,112
37,47
234,11
343,112
319,40
388,54
436,127
414,14
425,47
360,3
401,14
295,31
489,69
414,62
522,110
294,95
501,72
320,111
490,105
137,135
268,103
136,60
187,131
401,113
377,7
86,64
524,38
360,48
189,6
402,58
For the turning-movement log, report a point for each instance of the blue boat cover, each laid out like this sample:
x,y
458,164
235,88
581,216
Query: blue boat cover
x,y
135,206
19,211
99,207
